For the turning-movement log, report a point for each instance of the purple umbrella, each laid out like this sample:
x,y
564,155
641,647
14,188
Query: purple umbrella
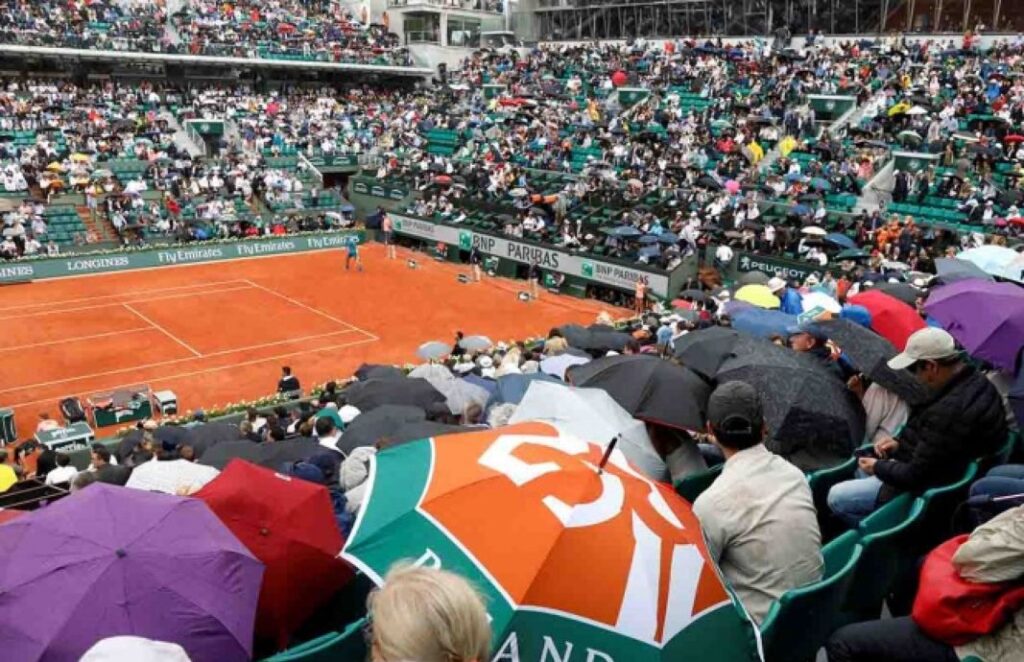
x,y
987,318
113,561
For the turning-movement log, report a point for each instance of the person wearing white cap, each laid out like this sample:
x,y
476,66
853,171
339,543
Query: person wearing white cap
x,y
962,419
137,649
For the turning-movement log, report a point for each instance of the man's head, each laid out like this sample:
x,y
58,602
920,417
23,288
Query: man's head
x,y
100,456
286,371
931,356
63,459
324,427
734,416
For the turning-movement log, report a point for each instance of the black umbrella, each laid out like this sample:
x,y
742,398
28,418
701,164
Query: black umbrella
x,y
813,420
172,436
420,430
270,455
869,353
950,270
648,388
754,278
207,435
127,445
704,350
376,392
596,338
369,371
381,422
694,295
905,292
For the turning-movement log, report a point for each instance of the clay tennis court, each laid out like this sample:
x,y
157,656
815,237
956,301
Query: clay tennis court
x,y
219,333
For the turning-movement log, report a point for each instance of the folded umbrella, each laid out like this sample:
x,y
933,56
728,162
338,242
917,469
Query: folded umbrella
x,y
376,392
950,270
583,570
288,524
889,316
649,388
125,550
704,350
813,420
376,424
270,455
986,318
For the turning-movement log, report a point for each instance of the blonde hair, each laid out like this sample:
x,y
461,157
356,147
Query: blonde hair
x,y
428,615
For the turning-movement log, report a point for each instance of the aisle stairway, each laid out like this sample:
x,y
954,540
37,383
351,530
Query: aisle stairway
x,y
101,228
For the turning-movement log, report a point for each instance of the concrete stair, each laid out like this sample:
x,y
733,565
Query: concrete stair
x,y
101,228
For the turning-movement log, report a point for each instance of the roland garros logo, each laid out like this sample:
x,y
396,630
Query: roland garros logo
x,y
642,577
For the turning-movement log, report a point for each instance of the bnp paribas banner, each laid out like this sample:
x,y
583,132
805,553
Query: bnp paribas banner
x,y
195,253
599,271
577,564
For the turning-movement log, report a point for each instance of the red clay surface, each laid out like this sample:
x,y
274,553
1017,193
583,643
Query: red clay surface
x,y
219,333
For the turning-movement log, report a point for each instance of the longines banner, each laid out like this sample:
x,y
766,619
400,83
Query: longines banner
x,y
599,271
57,267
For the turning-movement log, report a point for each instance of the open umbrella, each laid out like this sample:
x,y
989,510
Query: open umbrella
x,y
271,455
124,549
818,299
376,424
889,316
649,388
986,318
905,292
374,371
989,258
458,393
753,278
758,295
170,476
585,569
909,137
476,343
704,350
557,365
814,231
762,323
853,254
376,392
950,270
433,350
869,353
590,413
623,231
288,524
841,240
511,388
813,420
202,437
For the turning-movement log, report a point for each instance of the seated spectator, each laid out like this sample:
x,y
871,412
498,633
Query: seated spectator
x,y
758,516
963,420
105,471
64,473
1002,488
427,615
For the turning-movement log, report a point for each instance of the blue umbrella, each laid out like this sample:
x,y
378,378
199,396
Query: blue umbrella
x,y
624,231
800,210
668,238
841,240
650,251
488,385
512,388
762,322
648,239
820,184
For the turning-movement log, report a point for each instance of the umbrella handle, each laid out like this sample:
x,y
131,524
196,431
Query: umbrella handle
x,y
607,454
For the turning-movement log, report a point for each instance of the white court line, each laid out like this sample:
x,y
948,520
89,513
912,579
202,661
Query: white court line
x,y
121,294
114,304
312,309
192,373
163,330
172,361
76,338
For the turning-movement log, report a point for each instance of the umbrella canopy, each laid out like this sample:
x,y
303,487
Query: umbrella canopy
x,y
124,550
476,343
816,299
596,338
590,413
905,292
986,318
869,353
376,392
814,231
889,316
414,431
704,350
459,394
288,524
170,476
557,365
813,420
758,295
989,258
369,371
649,388
583,571
376,424
511,388
950,270
753,278
623,231
433,350
762,323
841,240
271,455
852,254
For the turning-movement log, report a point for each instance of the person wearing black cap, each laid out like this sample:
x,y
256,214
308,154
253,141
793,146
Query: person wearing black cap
x,y
758,516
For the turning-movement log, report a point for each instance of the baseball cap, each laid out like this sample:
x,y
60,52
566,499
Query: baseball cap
x,y
928,344
735,407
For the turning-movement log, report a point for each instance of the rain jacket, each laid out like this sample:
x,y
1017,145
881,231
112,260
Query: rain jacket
x,y
995,553
962,422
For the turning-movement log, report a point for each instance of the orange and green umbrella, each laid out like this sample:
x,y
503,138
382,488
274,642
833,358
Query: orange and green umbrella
x,y
607,563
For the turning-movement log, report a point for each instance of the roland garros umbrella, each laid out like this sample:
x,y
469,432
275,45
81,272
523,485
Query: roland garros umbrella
x,y
609,562
288,524
889,316
649,388
986,318
111,561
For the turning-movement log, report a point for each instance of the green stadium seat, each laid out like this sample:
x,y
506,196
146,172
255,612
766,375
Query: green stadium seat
x,y
691,486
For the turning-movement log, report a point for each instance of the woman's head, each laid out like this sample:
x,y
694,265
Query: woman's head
x,y
428,615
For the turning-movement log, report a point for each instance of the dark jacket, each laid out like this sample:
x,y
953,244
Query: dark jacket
x,y
962,422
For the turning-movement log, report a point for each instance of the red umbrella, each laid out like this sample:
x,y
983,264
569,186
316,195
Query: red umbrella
x,y
286,28
1013,138
288,524
443,180
890,317
619,78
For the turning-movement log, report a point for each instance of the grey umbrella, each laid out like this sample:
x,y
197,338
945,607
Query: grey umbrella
x,y
475,343
433,350
949,270
754,278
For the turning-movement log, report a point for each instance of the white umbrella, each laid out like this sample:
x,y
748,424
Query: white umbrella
x,y
590,413
475,343
917,110
170,476
814,231
433,350
557,365
458,393
813,300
